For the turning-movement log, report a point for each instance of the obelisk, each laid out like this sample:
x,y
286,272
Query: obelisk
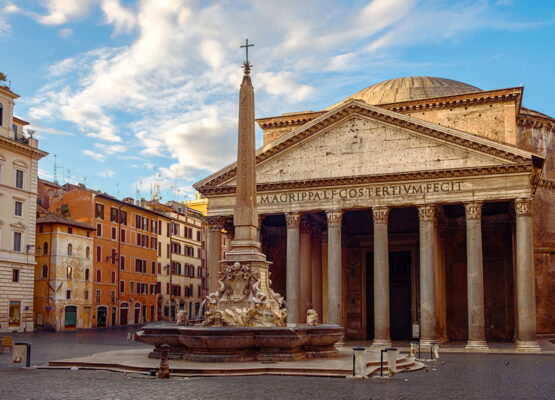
x,y
245,297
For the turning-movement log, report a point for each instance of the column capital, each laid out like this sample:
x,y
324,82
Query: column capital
x,y
334,217
215,223
380,214
426,212
293,220
523,207
473,210
306,226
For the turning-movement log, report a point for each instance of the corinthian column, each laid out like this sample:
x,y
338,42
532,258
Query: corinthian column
x,y
214,251
475,277
316,267
382,337
428,320
334,267
525,285
305,273
292,268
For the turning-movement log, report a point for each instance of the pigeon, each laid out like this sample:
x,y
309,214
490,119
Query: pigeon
x,y
507,362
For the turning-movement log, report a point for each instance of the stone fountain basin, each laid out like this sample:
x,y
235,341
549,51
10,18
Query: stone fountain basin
x,y
197,343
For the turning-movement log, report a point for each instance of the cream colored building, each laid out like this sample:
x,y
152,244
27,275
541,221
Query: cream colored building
x,y
63,274
419,207
19,156
181,246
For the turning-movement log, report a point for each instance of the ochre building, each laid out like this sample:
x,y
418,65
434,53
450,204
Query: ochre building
x,y
418,207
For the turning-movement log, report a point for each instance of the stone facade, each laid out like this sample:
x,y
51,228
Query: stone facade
x,y
19,156
434,192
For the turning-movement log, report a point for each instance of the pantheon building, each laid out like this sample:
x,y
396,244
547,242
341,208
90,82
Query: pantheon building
x,y
418,207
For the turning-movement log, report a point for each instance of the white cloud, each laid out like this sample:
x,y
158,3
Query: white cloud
x,y
97,156
123,19
62,11
106,173
4,27
65,33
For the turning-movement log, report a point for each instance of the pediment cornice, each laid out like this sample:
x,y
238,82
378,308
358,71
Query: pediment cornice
x,y
359,108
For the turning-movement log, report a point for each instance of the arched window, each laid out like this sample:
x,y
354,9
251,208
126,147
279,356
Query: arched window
x,y
69,249
45,248
69,272
88,252
45,271
87,273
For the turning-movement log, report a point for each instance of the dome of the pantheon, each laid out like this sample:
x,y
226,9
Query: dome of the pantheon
x,y
410,88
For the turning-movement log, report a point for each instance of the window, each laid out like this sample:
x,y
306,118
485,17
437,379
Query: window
x,y
1,115
69,272
17,241
70,230
98,275
68,294
113,296
14,315
69,249
97,296
114,256
199,291
19,179
98,254
131,287
15,275
122,235
138,222
113,277
87,252
41,229
123,217
98,230
114,233
153,265
45,248
99,211
18,209
86,294
121,286
114,214
198,236
87,274
45,271
122,262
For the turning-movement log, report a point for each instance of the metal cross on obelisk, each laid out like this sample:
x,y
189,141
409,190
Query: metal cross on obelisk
x,y
246,65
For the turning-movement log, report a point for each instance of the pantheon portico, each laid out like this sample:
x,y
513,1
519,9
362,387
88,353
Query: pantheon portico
x,y
418,207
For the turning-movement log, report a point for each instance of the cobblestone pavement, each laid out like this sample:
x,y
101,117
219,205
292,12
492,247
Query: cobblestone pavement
x,y
457,376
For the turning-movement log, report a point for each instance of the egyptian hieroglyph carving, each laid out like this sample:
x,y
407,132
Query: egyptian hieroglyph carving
x,y
241,300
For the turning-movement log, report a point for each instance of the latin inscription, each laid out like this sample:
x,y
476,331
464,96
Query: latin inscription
x,y
361,193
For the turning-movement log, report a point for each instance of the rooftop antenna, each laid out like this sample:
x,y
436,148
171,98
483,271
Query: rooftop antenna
x,y
117,190
68,176
85,181
137,190
55,169
175,190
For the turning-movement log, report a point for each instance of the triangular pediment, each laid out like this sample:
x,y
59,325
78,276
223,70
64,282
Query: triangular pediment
x,y
359,140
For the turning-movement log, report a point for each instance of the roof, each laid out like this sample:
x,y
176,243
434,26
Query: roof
x,y
58,219
410,88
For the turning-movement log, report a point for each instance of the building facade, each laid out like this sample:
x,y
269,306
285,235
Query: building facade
x,y
19,157
125,253
417,207
182,279
63,274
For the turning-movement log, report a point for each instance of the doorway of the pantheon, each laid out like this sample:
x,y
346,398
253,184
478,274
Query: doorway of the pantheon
x,y
399,295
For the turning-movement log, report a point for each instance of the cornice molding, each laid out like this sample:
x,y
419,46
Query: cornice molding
x,y
361,180
23,147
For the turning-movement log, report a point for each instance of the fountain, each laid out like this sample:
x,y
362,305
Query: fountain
x,y
245,318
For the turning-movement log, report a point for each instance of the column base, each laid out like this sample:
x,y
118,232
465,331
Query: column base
x,y
477,345
528,346
379,344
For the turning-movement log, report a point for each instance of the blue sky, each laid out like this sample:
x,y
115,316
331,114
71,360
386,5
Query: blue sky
x,y
129,93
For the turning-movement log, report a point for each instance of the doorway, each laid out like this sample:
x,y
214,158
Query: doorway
x,y
399,295
70,317
123,314
101,317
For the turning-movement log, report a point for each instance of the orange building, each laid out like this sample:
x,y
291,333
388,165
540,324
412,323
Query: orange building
x,y
125,253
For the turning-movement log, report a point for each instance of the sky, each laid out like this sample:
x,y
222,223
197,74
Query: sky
x,y
131,95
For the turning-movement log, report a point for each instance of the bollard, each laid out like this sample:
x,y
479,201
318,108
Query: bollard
x,y
434,350
18,353
164,372
392,361
357,358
